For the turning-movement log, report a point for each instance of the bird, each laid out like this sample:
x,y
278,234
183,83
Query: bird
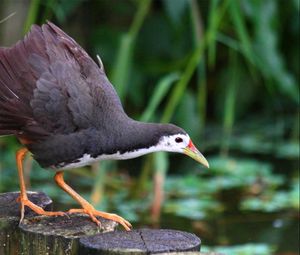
x,y
66,114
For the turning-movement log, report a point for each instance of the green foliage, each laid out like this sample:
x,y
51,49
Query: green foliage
x,y
246,249
194,208
239,172
270,201
62,9
32,14
269,60
159,93
123,63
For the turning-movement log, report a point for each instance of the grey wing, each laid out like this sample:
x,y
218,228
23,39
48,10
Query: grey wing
x,y
61,86
62,100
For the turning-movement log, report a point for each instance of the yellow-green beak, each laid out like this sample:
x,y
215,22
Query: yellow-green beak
x,y
195,154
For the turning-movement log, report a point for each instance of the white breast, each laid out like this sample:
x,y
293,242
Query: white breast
x,y
86,159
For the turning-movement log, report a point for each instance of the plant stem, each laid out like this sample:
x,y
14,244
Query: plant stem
x,y
32,14
123,64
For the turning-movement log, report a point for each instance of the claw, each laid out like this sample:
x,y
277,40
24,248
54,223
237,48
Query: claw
x,y
92,212
37,209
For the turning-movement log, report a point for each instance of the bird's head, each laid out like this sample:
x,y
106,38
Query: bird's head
x,y
176,139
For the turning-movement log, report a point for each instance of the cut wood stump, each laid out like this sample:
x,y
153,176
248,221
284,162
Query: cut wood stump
x,y
59,235
139,242
41,234
10,217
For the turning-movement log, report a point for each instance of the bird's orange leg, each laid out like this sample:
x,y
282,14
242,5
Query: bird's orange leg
x,y
87,208
23,199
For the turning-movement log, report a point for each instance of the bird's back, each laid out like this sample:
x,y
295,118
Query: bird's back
x,y
50,87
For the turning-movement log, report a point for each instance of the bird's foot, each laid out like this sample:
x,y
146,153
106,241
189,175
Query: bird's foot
x,y
92,212
37,209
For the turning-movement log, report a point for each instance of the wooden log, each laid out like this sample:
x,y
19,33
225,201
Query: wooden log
x,y
41,234
10,217
138,242
59,235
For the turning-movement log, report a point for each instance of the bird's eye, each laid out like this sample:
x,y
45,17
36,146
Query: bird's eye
x,y
178,140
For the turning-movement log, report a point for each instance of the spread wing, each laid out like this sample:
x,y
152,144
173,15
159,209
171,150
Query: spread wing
x,y
49,85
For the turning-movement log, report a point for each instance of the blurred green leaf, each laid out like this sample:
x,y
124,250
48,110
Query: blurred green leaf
x,y
32,14
213,21
245,249
192,208
274,201
230,103
240,25
197,26
288,150
187,115
161,89
269,59
122,67
161,163
175,9
181,85
242,172
63,8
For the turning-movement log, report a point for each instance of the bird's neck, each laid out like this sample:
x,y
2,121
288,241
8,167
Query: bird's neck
x,y
135,140
123,140
137,137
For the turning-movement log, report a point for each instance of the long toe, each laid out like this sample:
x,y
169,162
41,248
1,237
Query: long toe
x,y
86,211
39,210
126,224
93,213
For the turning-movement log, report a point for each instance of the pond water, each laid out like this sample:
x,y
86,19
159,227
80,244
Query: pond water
x,y
278,232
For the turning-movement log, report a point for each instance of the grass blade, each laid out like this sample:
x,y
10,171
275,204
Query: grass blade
x,y
229,105
191,67
160,91
213,23
240,25
121,71
32,14
182,83
201,72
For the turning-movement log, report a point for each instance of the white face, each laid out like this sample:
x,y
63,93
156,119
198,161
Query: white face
x,y
173,143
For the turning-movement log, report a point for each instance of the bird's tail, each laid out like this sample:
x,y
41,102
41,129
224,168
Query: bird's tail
x,y
17,84
10,112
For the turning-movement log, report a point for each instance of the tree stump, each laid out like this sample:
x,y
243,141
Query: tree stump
x,y
10,217
139,242
59,235
41,234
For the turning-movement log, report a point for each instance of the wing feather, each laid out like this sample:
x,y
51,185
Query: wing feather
x,y
49,85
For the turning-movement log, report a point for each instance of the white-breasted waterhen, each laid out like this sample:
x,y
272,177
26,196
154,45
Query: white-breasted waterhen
x,y
63,109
